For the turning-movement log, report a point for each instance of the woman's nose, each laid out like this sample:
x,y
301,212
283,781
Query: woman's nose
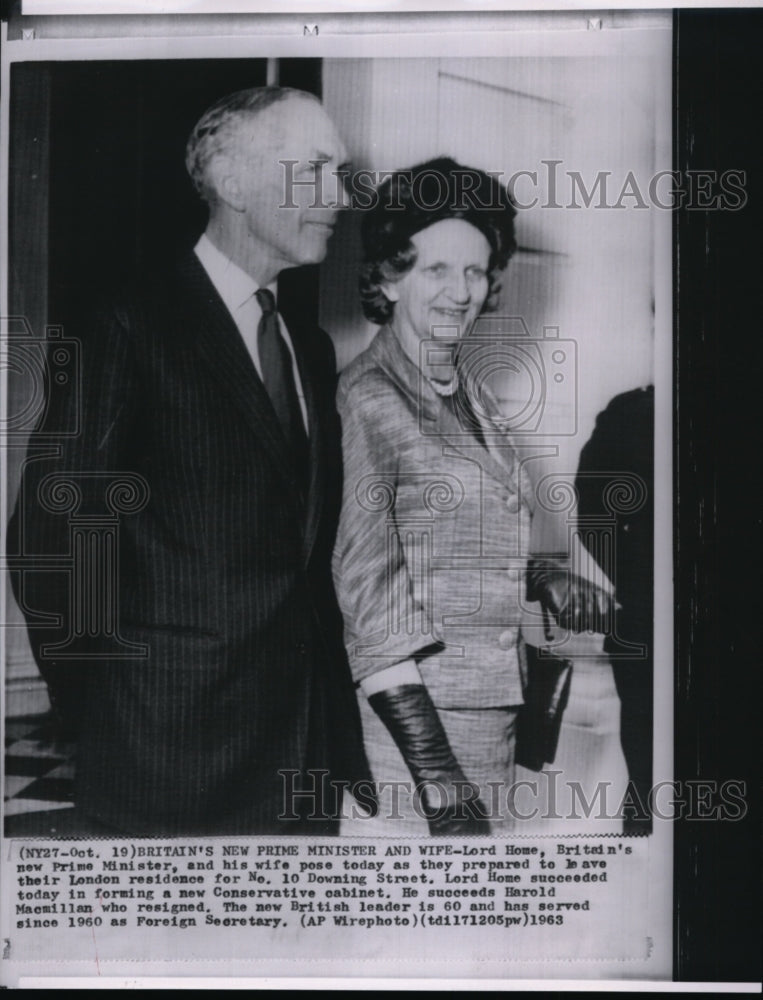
x,y
459,289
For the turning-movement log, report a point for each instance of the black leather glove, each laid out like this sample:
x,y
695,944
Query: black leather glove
x,y
450,802
576,604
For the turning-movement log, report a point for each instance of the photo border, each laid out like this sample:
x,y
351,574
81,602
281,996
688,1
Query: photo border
x,y
715,727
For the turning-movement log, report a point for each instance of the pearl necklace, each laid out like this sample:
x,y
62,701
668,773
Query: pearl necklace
x,y
444,388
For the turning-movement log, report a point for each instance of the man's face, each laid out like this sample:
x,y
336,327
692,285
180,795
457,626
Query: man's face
x,y
290,207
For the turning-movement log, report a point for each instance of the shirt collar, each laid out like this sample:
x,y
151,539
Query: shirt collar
x,y
234,286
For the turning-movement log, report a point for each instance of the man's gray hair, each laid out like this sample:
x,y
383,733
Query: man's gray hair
x,y
217,126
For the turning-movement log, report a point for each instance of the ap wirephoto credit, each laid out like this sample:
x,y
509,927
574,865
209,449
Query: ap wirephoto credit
x,y
338,501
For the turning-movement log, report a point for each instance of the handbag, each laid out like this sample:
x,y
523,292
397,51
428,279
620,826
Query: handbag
x,y
547,690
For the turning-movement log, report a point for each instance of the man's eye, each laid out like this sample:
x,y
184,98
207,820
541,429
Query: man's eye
x,y
437,270
477,273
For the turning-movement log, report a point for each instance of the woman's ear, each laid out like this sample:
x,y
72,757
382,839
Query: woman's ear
x,y
390,290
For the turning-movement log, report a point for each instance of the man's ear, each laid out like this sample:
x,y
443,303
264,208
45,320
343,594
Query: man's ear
x,y
225,175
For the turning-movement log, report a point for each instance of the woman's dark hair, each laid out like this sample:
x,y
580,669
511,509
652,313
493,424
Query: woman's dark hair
x,y
411,200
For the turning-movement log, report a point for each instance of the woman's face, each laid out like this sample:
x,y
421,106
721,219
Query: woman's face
x,y
443,293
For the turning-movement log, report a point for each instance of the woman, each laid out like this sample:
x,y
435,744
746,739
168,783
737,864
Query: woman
x,y
431,554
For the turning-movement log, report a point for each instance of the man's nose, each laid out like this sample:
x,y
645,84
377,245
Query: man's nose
x,y
338,196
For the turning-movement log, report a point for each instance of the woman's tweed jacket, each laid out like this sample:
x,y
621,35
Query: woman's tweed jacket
x,y
433,537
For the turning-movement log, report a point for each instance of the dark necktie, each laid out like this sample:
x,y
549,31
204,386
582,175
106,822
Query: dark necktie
x,y
278,378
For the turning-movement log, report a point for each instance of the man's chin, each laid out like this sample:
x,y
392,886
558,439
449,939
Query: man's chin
x,y
305,260
313,256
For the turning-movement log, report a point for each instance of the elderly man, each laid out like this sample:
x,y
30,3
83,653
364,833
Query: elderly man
x,y
222,702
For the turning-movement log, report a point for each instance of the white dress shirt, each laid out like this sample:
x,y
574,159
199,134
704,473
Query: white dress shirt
x,y
237,290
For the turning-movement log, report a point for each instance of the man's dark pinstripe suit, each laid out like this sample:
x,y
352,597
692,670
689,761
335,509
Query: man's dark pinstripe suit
x,y
224,574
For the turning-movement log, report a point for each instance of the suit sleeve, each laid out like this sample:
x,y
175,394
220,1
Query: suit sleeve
x,y
73,453
385,622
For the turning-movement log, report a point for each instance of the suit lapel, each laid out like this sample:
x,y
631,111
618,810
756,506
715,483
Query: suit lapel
x,y
449,429
318,447
225,356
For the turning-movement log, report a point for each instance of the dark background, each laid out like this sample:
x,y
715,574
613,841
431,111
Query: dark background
x,y
119,193
120,197
718,322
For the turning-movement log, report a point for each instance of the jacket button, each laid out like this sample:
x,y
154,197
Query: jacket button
x,y
507,639
512,504
301,648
